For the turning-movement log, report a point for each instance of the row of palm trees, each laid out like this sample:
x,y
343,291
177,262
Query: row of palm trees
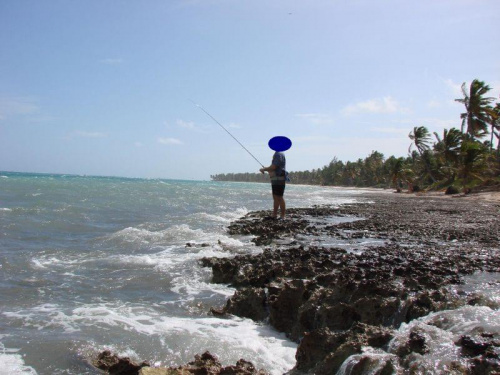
x,y
457,157
460,158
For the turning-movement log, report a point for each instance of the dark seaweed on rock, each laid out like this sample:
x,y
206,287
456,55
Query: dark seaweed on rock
x,y
333,301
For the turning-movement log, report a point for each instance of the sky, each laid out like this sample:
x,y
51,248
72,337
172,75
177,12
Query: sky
x,y
103,87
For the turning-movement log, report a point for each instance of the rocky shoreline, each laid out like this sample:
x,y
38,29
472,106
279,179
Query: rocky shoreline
x,y
341,281
336,302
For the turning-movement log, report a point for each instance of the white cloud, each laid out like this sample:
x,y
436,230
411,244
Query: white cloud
x,y
11,106
386,104
112,61
86,134
170,141
361,147
316,118
433,124
186,124
350,148
313,139
456,88
495,90
434,104
389,130
189,125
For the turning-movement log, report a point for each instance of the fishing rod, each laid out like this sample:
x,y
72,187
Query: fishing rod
x,y
227,131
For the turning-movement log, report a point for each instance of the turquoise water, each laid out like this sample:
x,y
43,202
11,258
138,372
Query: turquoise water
x,y
93,263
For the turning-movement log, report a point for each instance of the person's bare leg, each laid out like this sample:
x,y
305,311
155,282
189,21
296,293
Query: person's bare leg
x,y
282,207
276,205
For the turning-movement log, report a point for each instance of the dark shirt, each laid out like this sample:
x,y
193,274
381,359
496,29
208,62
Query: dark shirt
x,y
279,173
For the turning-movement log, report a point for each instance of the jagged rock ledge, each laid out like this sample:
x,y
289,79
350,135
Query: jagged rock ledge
x,y
334,301
205,363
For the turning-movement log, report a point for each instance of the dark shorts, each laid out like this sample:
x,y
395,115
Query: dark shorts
x,y
278,190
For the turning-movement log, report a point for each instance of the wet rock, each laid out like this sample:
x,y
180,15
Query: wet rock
x,y
221,312
223,270
376,310
367,364
316,346
158,371
248,303
340,316
473,346
206,364
284,303
242,368
332,363
416,344
321,295
420,306
485,366
485,350
115,365
323,351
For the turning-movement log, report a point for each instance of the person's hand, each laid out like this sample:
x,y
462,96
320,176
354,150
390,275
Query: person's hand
x,y
261,170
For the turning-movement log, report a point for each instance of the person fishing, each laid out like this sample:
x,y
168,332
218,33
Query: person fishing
x,y
278,174
277,171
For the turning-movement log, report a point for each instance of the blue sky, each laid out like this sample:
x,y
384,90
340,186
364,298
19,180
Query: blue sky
x,y
103,87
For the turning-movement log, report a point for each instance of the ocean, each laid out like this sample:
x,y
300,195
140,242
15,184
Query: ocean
x,y
95,263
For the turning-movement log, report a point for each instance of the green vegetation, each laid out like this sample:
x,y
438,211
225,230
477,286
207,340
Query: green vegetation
x,y
460,159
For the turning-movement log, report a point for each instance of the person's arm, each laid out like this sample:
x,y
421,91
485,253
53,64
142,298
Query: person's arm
x,y
271,168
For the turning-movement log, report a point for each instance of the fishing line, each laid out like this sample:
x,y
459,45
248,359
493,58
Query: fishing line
x,y
208,114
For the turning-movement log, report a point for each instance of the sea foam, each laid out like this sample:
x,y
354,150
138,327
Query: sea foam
x,y
442,330
112,262
229,339
12,363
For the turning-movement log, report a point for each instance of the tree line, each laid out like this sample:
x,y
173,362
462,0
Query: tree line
x,y
458,158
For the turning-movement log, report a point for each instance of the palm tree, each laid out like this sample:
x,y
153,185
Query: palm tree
x,y
421,137
397,172
371,169
400,171
495,126
472,161
477,108
449,148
